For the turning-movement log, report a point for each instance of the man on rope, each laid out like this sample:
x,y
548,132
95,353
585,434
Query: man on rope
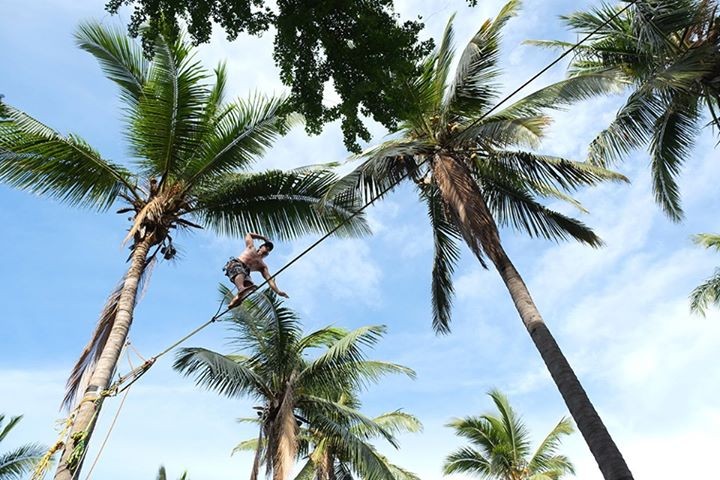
x,y
250,260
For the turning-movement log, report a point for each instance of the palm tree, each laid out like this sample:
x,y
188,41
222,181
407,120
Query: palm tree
x,y
471,169
190,150
328,456
707,293
272,367
162,475
500,447
668,53
20,461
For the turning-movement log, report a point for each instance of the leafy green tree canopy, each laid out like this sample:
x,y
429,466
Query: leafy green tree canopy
x,y
361,47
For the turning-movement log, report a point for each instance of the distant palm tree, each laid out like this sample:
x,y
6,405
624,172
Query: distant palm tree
x,y
472,168
707,293
16,463
162,475
272,366
330,458
190,150
668,53
500,447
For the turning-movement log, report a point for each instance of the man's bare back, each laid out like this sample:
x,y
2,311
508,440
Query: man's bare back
x,y
250,260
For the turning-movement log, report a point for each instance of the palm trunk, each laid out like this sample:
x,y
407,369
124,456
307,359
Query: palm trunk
x,y
467,205
286,435
89,408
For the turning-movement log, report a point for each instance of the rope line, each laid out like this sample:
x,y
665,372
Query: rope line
x,y
134,375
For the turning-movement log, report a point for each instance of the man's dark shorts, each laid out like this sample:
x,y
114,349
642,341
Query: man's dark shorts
x,y
234,267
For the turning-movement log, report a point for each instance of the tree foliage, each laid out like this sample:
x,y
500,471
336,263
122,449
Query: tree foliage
x,y
18,462
500,447
668,53
362,47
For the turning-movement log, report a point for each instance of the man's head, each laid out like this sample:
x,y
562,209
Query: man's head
x,y
265,248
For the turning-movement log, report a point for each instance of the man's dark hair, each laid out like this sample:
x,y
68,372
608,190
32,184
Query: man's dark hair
x,y
269,245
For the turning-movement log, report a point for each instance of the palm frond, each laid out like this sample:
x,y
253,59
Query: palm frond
x,y
283,205
242,134
16,463
447,254
121,59
467,460
545,457
393,422
706,294
165,123
473,88
6,429
672,140
35,158
216,372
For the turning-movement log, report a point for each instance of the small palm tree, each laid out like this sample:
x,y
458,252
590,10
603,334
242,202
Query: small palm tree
x,y
20,461
162,475
328,457
472,168
272,366
668,54
500,447
707,293
190,150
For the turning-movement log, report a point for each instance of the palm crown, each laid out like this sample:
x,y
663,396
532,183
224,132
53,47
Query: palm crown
x,y
500,447
15,463
273,367
450,117
669,52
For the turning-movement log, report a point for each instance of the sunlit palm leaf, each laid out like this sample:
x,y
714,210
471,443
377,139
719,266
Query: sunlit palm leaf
x,y
280,204
121,59
216,372
33,157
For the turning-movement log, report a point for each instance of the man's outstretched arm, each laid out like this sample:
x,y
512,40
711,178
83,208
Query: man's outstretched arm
x,y
271,281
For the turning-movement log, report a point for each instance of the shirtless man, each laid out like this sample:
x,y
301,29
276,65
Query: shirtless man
x,y
251,260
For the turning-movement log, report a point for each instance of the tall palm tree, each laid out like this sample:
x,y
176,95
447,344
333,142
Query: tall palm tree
x,y
21,460
272,366
471,169
500,447
708,293
190,150
668,53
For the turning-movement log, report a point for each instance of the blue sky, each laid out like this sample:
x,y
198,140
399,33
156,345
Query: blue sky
x,y
620,313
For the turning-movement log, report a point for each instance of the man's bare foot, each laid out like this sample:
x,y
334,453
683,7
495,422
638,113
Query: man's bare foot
x,y
237,300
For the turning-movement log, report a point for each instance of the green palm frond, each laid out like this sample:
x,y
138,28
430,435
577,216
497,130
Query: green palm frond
x,y
164,125
240,135
500,448
447,254
35,158
547,170
473,88
467,460
393,422
381,168
513,205
546,457
15,464
247,446
216,372
672,140
706,294
121,59
283,205
503,132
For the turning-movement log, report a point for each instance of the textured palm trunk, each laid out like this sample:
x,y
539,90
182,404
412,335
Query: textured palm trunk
x,y
286,425
467,205
91,403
